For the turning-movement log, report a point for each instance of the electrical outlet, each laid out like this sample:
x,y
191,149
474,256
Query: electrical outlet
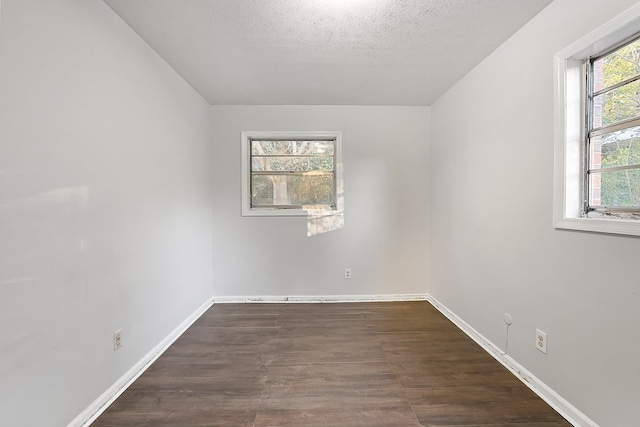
x,y
347,273
117,339
541,341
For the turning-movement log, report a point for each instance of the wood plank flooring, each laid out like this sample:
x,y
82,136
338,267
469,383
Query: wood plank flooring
x,y
396,364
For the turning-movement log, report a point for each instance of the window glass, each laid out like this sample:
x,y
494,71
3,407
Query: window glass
x,y
613,173
293,174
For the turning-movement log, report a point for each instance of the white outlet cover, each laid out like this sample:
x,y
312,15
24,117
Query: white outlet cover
x,y
541,341
117,339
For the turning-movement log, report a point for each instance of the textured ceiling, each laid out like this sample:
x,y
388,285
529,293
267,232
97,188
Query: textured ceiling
x,y
333,52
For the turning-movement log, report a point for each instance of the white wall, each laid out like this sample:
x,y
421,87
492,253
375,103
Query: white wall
x,y
492,243
105,205
384,240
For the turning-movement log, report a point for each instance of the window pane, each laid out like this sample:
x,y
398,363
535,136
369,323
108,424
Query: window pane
x,y
621,148
615,188
302,148
617,105
322,148
295,164
272,147
618,66
292,190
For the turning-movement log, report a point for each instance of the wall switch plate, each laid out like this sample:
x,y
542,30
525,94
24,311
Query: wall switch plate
x,y
541,341
117,339
347,273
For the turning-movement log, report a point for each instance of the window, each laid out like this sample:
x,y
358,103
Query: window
x,y
597,129
290,173
612,175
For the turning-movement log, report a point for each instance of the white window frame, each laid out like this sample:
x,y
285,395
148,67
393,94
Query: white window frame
x,y
247,136
569,138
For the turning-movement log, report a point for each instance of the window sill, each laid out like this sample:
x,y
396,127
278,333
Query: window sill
x,y
289,212
600,225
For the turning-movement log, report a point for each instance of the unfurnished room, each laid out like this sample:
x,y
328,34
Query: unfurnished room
x,y
343,213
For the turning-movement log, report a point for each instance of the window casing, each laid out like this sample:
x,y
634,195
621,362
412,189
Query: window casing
x,y
580,201
291,173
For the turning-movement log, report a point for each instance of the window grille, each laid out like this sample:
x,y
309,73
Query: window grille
x,y
291,173
612,178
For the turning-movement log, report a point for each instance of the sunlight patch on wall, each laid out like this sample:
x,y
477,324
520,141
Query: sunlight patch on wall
x,y
327,221
64,199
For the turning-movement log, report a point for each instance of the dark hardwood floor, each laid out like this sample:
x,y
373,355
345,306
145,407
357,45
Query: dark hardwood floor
x,y
348,364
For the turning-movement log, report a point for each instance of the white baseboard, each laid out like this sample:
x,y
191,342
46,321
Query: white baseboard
x,y
96,408
318,298
546,393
